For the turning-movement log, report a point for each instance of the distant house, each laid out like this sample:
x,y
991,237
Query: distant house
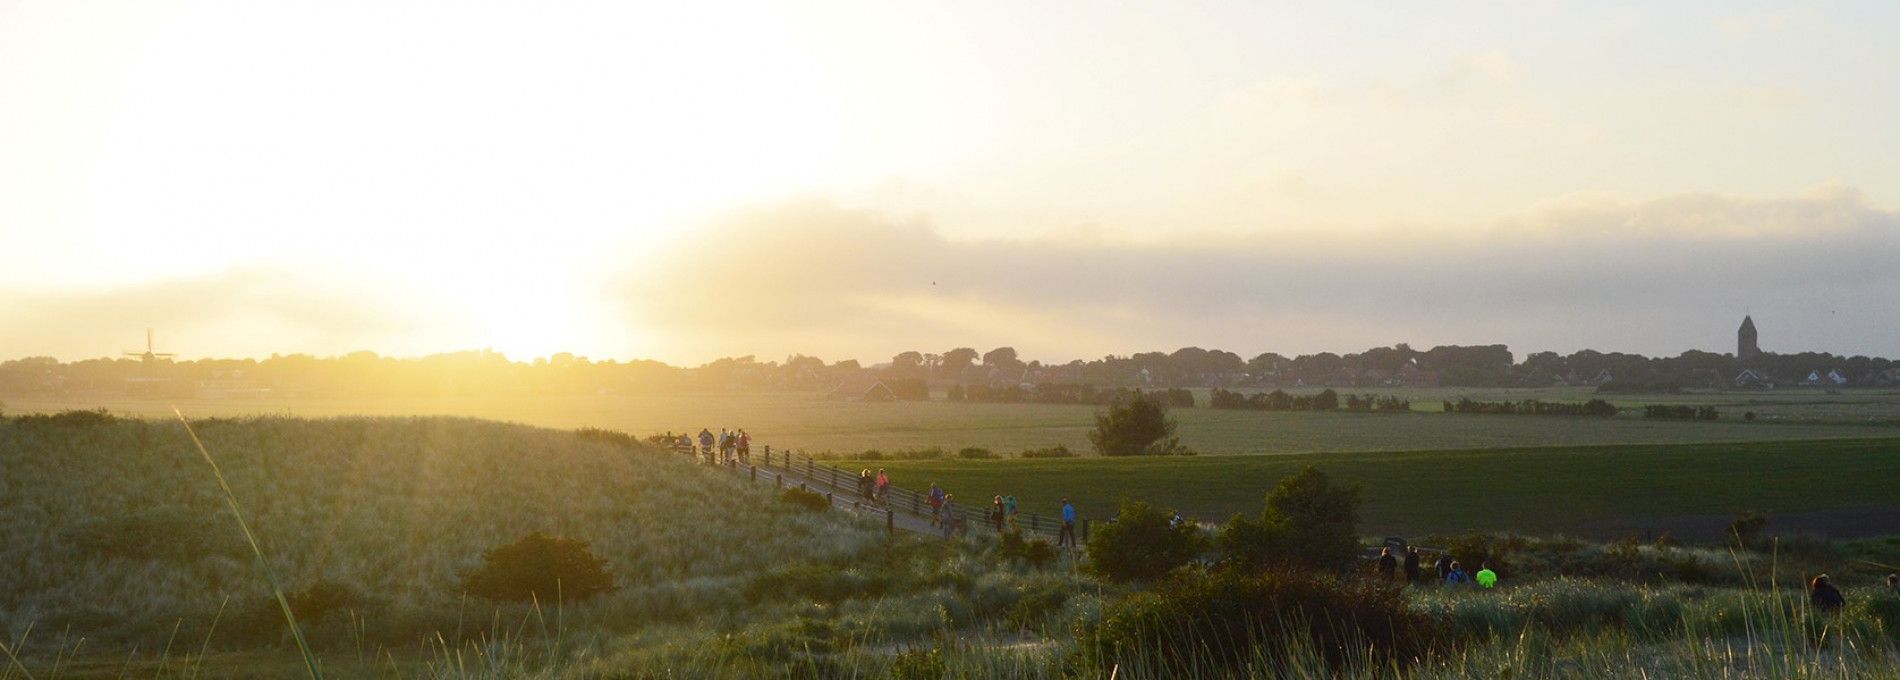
x,y
1750,379
1603,378
1835,376
862,387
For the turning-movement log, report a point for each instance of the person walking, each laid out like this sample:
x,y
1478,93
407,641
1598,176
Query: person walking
x,y
1457,576
1068,525
935,496
1388,565
1009,506
867,486
1824,596
1411,565
951,520
997,517
745,447
1486,578
706,443
883,486
1443,566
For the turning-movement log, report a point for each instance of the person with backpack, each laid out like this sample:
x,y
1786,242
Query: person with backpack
x,y
1411,565
1486,578
1388,565
1457,576
1443,566
935,496
1068,525
1824,596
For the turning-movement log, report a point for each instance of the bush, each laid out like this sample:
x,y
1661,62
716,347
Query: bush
x,y
74,418
539,567
1308,523
1036,553
1057,451
1230,621
974,452
1138,427
808,500
1140,544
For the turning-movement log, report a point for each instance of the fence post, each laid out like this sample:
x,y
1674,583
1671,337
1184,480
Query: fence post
x,y
778,481
1035,522
1085,531
810,472
890,522
755,472
768,455
828,500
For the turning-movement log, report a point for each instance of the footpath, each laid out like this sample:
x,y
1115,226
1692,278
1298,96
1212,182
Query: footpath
x,y
901,508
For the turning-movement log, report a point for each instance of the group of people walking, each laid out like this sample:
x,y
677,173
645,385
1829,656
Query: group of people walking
x,y
1449,571
729,447
1002,515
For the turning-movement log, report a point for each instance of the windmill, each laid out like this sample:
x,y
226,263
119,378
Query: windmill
x,y
148,356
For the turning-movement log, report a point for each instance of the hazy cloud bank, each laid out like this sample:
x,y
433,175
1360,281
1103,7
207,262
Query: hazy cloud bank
x,y
1658,277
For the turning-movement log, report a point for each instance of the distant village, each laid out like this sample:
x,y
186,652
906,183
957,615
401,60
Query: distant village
x,y
963,372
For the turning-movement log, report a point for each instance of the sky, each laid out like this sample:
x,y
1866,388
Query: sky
x,y
684,181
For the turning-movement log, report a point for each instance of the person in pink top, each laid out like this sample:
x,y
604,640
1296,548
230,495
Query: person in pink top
x,y
883,484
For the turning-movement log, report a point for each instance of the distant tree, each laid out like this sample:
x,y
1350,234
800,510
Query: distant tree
x,y
1001,357
907,360
958,359
1326,400
1139,426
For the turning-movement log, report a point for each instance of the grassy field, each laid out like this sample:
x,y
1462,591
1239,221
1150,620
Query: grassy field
x,y
807,422
123,562
1600,490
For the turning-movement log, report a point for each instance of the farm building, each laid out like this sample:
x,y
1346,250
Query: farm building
x,y
862,387
1749,378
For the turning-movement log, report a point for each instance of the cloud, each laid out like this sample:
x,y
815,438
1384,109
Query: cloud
x,y
1659,276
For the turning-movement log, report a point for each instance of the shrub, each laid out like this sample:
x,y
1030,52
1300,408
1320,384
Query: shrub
x,y
974,452
539,567
1138,427
1057,451
1140,544
73,418
1231,620
1036,553
1308,522
807,500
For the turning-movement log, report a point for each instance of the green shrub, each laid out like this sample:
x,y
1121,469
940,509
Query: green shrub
x,y
1308,523
1140,544
539,567
1037,553
975,453
807,500
1231,620
74,418
1057,451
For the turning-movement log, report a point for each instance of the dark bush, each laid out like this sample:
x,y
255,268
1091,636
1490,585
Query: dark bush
x,y
539,567
1057,451
808,500
975,453
74,418
1035,552
1309,523
613,437
1232,620
1141,545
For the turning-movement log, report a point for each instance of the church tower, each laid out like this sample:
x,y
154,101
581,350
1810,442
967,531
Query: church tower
x,y
1745,347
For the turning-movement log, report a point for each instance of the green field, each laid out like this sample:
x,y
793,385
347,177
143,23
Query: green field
x,y
805,421
1601,490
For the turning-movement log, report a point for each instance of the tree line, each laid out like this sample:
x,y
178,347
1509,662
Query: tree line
x,y
1533,407
1325,400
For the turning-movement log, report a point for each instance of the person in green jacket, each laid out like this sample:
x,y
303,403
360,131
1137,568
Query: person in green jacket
x,y
1487,578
